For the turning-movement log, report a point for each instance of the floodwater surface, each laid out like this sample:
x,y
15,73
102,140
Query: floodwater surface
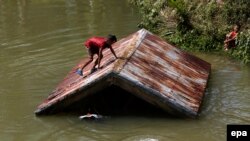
x,y
40,41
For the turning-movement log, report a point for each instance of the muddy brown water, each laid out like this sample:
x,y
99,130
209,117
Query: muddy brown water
x,y
40,41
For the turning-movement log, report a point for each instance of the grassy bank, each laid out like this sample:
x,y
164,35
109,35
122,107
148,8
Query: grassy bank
x,y
198,24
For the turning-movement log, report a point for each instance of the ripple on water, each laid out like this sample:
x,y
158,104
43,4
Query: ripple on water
x,y
228,95
60,130
148,138
109,128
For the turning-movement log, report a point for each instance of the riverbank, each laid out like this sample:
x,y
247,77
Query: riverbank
x,y
198,25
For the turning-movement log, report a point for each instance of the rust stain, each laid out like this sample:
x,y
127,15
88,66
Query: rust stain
x,y
155,79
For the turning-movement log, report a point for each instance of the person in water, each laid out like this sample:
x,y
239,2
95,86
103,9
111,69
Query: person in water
x,y
231,38
96,45
90,116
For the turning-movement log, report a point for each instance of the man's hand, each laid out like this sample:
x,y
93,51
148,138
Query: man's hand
x,y
100,67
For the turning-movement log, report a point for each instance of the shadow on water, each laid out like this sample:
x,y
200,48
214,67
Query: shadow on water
x,y
114,101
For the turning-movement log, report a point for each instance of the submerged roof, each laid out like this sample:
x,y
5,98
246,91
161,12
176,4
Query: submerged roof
x,y
153,70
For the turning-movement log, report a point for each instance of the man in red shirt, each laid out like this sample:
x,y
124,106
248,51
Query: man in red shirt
x,y
96,45
231,38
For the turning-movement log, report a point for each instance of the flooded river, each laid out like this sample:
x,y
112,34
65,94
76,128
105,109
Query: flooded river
x,y
40,41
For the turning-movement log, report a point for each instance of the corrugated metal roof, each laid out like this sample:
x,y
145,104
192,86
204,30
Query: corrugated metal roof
x,y
153,69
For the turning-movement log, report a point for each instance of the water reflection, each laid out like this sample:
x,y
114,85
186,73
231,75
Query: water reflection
x,y
21,4
95,12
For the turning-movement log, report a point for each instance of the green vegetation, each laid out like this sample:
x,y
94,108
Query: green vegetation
x,y
198,24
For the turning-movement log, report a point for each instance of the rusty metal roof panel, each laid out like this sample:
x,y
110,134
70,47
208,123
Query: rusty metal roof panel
x,y
170,72
152,69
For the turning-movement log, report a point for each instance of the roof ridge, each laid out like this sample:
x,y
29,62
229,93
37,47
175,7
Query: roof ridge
x,y
135,42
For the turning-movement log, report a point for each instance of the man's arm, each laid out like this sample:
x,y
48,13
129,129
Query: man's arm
x,y
230,39
112,50
99,57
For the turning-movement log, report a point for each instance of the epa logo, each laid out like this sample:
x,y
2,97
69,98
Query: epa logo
x,y
238,132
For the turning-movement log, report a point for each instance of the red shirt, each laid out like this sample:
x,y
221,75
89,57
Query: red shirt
x,y
99,42
233,34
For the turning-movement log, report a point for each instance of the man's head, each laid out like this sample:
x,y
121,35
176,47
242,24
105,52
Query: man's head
x,y
111,39
236,27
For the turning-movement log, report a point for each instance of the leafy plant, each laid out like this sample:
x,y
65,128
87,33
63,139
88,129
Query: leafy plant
x,y
199,25
242,50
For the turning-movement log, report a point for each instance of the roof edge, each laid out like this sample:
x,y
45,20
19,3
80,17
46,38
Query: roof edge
x,y
90,88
